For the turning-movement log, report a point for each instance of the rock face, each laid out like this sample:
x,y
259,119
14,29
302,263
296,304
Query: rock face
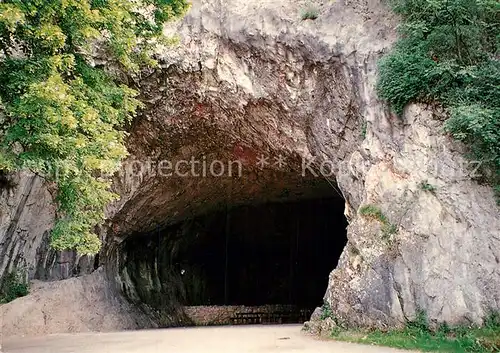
x,y
27,213
82,304
443,256
250,79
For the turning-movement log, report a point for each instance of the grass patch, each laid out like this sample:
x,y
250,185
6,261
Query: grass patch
x,y
418,336
13,286
372,211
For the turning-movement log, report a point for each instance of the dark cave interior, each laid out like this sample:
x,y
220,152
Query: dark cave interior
x,y
259,254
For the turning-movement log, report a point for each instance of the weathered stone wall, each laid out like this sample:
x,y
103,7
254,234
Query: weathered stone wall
x,y
27,214
443,256
226,315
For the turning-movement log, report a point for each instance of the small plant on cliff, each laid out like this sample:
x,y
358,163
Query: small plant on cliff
x,y
326,311
309,13
363,129
448,52
372,211
388,230
424,185
62,113
354,251
12,287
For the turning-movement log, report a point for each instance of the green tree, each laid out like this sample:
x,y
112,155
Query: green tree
x,y
62,112
449,51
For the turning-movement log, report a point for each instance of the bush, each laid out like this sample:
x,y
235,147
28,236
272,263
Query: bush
x,y
13,286
401,78
448,52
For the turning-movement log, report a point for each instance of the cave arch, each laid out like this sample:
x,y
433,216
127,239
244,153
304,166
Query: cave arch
x,y
312,122
277,254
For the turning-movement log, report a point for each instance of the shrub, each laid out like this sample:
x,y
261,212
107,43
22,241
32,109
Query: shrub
x,y
401,80
448,52
13,286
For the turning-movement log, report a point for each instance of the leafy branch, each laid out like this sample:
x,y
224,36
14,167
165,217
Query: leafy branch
x,y
62,116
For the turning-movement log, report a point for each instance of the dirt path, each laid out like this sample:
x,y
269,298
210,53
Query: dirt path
x,y
239,339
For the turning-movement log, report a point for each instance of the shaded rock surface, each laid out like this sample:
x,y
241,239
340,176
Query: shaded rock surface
x,y
27,213
251,79
83,304
230,314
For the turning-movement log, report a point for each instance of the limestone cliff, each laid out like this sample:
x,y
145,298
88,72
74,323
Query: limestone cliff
x,y
27,214
251,78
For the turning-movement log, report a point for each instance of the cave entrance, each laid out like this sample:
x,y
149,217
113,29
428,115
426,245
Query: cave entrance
x,y
271,254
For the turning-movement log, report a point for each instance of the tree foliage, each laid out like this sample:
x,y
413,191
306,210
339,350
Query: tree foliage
x,y
12,286
61,113
449,52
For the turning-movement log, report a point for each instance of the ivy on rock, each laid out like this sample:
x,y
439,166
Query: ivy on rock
x,y
61,114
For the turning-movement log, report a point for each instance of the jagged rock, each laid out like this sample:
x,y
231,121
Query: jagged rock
x,y
322,327
443,257
27,214
316,315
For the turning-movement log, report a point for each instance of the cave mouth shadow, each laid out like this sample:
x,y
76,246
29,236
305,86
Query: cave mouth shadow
x,y
270,254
